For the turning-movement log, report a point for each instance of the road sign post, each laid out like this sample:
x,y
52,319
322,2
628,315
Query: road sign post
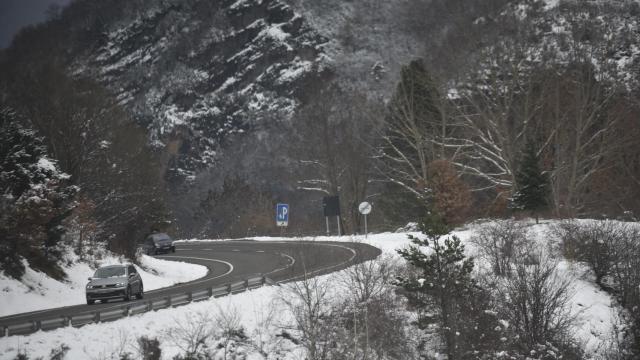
x,y
331,207
282,215
365,209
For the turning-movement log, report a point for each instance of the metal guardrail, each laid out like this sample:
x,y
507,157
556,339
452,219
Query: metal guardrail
x,y
120,312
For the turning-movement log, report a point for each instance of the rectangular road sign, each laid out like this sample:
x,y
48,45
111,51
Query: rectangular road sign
x,y
331,205
282,214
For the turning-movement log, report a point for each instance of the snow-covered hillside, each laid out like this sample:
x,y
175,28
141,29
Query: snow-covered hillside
x,y
37,291
196,73
262,315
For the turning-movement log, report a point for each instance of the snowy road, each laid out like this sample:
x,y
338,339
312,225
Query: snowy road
x,y
230,261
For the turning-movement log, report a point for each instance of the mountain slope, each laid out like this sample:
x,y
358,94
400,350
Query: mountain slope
x,y
197,72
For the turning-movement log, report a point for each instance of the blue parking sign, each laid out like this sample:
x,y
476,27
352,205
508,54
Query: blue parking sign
x,y
282,214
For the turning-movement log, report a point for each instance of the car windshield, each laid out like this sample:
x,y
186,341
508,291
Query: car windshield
x,y
160,238
116,271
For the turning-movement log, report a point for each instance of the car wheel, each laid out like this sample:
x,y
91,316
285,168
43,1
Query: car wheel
x,y
173,249
90,302
140,294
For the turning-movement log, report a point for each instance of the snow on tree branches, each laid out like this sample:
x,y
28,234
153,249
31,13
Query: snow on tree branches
x,y
34,199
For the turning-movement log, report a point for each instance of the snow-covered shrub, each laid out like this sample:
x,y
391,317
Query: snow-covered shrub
x,y
192,337
612,251
149,348
372,315
229,331
592,243
314,322
608,247
535,302
59,352
501,243
217,334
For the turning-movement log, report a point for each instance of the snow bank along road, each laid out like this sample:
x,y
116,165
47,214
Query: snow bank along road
x,y
230,261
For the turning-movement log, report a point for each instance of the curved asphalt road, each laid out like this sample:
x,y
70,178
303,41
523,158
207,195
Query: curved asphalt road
x,y
231,261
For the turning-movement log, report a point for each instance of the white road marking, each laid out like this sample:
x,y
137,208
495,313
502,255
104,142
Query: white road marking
x,y
324,268
291,262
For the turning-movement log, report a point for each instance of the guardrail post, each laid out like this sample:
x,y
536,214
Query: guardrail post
x,y
127,310
66,320
264,280
169,301
189,296
6,331
149,305
228,289
37,325
96,317
246,284
210,291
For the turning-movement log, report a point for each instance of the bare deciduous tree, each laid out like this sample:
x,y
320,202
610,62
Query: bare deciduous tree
x,y
372,313
366,280
582,132
308,301
413,131
496,114
332,147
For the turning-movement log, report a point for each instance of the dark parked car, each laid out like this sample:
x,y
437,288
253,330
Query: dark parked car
x,y
158,243
113,282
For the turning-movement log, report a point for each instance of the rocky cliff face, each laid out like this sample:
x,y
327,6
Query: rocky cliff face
x,y
196,72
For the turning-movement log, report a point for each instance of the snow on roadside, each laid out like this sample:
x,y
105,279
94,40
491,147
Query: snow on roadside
x,y
37,291
159,273
260,313
255,309
594,308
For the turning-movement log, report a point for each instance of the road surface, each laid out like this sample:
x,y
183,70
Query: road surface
x,y
231,261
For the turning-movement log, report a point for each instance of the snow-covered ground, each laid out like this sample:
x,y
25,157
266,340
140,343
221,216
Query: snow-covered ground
x,y
261,314
37,291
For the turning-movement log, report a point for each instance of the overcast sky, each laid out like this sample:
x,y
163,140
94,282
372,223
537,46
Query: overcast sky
x,y
14,14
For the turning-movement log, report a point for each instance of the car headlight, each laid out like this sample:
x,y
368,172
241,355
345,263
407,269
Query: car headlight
x,y
120,284
89,286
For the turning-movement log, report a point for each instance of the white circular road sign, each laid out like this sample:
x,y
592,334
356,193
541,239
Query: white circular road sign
x,y
364,208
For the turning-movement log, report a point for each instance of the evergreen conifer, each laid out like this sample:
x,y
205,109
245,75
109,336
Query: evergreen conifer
x,y
446,294
532,182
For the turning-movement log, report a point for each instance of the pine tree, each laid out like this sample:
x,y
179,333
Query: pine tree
x,y
439,274
445,287
34,199
532,182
